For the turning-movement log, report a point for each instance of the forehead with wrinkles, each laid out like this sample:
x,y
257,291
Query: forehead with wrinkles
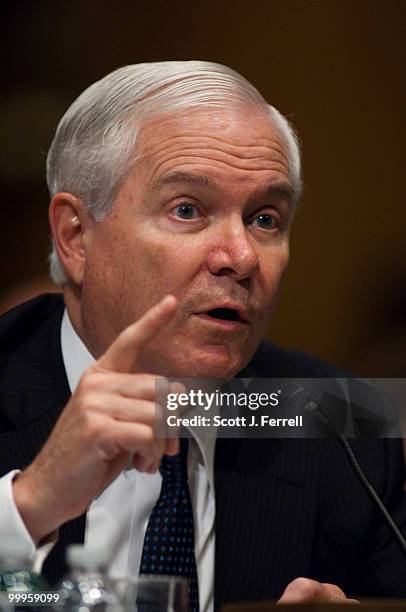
x,y
243,139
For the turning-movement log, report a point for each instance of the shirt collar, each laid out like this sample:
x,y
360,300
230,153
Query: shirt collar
x,y
77,359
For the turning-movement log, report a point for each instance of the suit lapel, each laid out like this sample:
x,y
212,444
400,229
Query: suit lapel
x,y
266,498
266,502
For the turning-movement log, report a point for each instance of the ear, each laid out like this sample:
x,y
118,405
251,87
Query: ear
x,y
69,222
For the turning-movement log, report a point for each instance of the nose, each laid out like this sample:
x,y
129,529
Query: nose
x,y
233,252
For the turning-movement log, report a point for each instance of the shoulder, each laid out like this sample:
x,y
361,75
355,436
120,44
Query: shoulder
x,y
382,459
32,375
24,321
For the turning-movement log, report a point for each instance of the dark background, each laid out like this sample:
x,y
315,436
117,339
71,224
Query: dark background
x,y
334,67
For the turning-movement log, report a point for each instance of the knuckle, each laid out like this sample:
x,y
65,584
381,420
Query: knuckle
x,y
86,404
126,336
93,401
91,381
306,587
92,426
148,436
87,400
150,380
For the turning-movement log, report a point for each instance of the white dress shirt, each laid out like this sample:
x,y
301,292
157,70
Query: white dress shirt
x,y
117,519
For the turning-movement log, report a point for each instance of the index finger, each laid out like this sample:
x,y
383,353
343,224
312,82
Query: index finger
x,y
122,355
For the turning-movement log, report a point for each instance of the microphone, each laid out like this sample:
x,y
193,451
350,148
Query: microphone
x,y
312,406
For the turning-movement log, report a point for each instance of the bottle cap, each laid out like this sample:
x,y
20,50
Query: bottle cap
x,y
78,555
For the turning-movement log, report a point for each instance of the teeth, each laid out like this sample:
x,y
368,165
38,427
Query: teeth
x,y
227,314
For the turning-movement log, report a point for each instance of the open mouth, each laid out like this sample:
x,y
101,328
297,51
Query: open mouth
x,y
225,314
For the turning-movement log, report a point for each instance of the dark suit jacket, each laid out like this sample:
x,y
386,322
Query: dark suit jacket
x,y
284,508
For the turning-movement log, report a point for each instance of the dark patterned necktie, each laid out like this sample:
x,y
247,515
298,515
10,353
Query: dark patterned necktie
x,y
169,540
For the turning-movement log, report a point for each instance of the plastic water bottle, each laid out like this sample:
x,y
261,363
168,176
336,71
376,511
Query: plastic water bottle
x,y
16,575
17,579
86,586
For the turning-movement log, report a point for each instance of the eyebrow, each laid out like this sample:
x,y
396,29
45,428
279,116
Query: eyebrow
x,y
278,188
173,178
282,189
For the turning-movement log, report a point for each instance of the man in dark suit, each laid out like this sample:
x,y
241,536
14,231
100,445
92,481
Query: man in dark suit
x,y
173,189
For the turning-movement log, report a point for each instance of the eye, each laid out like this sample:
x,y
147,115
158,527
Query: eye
x,y
265,221
186,211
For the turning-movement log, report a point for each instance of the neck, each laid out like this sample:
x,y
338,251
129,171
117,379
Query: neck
x,y
72,300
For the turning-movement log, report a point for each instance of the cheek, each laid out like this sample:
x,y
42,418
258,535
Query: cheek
x,y
173,258
274,267
153,265
164,258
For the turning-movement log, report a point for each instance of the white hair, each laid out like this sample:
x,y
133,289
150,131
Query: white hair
x,y
94,148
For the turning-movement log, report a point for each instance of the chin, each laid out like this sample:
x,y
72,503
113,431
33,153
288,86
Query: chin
x,y
211,362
